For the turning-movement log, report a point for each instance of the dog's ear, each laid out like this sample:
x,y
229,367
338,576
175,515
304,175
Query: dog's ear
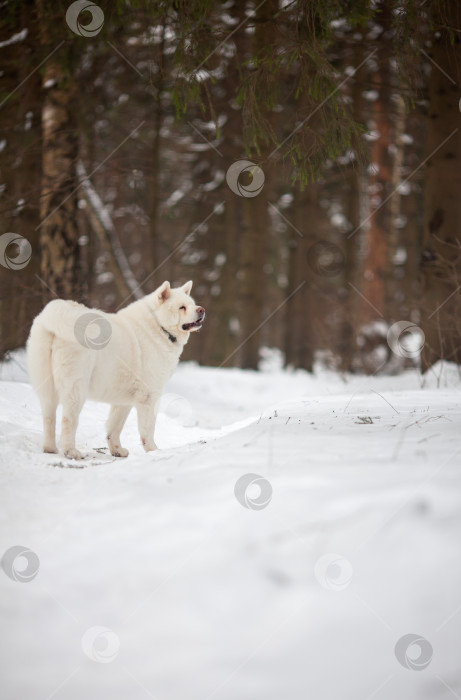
x,y
163,292
187,287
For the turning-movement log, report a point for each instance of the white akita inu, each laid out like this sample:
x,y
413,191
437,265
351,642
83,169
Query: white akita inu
x,y
123,359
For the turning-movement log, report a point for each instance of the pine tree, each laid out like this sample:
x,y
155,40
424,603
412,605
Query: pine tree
x,y
441,262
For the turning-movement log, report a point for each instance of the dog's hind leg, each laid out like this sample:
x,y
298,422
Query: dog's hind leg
x,y
48,396
72,403
39,358
49,404
115,423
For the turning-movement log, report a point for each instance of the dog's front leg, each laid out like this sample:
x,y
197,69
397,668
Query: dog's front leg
x,y
115,423
147,415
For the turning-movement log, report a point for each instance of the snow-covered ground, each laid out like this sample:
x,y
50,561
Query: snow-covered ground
x,y
171,576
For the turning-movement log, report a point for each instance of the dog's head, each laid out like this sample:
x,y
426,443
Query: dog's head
x,y
176,311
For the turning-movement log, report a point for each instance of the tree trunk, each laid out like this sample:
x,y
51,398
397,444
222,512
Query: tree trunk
x,y
156,245
395,296
19,192
299,312
380,181
59,265
357,212
441,259
251,277
226,329
253,249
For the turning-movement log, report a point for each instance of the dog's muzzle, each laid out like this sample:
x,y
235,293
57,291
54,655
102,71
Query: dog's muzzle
x,y
200,311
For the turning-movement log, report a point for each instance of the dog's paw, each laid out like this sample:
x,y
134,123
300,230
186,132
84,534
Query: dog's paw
x,y
119,452
72,453
50,449
149,446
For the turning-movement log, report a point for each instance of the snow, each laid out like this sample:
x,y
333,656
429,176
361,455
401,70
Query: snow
x,y
370,95
218,178
161,577
16,38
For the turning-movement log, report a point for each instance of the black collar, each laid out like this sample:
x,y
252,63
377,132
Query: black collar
x,y
171,337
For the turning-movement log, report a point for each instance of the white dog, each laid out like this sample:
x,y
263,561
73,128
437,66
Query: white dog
x,y
124,359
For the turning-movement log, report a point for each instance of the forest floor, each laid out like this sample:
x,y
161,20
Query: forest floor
x,y
156,581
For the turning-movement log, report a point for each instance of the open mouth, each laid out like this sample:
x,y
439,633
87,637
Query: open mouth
x,y
190,326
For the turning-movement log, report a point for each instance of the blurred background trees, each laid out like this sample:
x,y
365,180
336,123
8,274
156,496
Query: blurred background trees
x,y
115,144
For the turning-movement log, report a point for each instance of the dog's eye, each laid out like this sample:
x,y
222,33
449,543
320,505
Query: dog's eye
x,y
182,308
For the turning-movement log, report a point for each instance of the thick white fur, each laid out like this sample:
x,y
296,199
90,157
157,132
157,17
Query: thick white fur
x,y
130,370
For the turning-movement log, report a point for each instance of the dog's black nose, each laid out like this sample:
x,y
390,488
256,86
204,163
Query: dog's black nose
x,y
201,311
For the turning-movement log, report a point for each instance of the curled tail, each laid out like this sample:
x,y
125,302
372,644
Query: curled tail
x,y
58,319
48,325
39,360
39,346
